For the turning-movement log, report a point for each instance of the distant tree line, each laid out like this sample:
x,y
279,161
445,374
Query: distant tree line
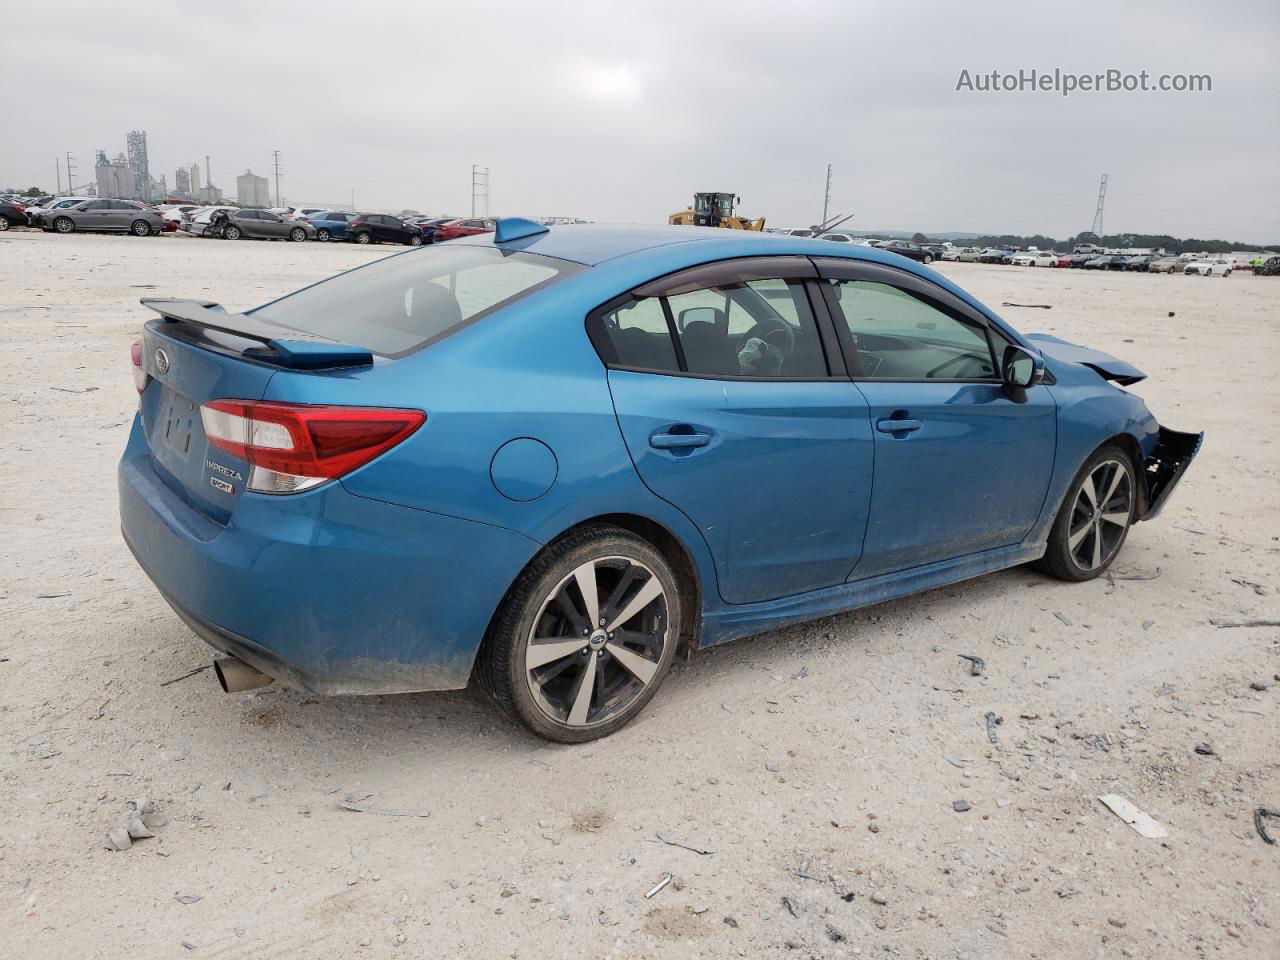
x,y
1118,240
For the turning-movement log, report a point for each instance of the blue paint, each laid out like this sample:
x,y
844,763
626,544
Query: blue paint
x,y
799,504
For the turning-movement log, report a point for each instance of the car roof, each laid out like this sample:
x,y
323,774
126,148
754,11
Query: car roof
x,y
669,248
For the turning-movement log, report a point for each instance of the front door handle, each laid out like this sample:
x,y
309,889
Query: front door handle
x,y
666,440
898,426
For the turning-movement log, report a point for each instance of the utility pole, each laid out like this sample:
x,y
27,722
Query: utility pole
x,y
208,180
275,154
57,168
1097,216
826,200
70,171
479,188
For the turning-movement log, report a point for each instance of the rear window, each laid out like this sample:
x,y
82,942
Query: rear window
x,y
400,304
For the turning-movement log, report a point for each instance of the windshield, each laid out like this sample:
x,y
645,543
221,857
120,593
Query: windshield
x,y
400,304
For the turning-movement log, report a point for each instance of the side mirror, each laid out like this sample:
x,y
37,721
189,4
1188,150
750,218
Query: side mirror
x,y
1019,370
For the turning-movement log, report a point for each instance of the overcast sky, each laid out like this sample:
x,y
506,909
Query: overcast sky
x,y
618,111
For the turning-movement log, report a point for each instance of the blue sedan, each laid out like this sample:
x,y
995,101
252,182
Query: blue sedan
x,y
331,224
548,459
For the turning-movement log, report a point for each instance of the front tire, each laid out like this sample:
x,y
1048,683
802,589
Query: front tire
x,y
415,241
928,258
64,225
4,224
585,636
140,228
322,235
1094,519
363,238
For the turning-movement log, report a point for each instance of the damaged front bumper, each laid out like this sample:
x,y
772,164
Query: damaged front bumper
x,y
1168,461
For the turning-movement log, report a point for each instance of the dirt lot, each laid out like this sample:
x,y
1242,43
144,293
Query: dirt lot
x,y
820,763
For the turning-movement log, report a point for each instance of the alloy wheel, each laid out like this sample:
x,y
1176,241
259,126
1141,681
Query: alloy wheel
x,y
1100,515
297,234
63,225
597,641
4,224
322,234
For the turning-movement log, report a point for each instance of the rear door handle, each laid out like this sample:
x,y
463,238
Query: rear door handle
x,y
666,440
898,426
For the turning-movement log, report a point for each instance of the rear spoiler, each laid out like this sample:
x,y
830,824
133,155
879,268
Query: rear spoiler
x,y
281,346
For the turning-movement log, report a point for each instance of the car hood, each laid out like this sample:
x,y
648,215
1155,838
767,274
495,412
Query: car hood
x,y
1105,365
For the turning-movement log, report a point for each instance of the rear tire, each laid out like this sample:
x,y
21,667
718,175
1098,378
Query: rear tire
x,y
297,234
579,639
363,238
928,258
64,225
4,224
232,232
1087,534
415,241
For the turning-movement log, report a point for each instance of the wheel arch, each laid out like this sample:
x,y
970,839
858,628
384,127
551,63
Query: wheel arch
x,y
1129,444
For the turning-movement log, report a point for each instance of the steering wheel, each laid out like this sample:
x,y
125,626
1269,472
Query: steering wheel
x,y
776,332
963,358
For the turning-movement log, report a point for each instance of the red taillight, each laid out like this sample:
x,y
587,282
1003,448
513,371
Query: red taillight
x,y
139,374
357,223
21,208
293,447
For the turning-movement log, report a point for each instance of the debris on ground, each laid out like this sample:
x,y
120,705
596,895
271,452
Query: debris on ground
x,y
956,761
1260,686
1137,576
1206,750
879,899
976,664
1259,821
960,806
1245,623
138,822
684,844
357,806
1257,588
835,934
657,887
1063,617
790,906
186,899
1141,822
992,722
1029,306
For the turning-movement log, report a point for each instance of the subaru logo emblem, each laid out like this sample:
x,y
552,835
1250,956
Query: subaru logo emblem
x,y
162,362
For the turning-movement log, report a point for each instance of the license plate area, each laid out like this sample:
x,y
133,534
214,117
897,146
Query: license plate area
x,y
176,422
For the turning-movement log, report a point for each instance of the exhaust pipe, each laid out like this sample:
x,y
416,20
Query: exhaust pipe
x,y
236,676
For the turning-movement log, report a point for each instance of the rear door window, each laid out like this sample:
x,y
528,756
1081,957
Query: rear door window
x,y
403,303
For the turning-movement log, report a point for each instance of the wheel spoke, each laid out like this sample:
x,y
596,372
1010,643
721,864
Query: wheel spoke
x,y
1117,474
542,652
572,613
585,576
582,698
1088,491
1074,539
619,591
639,667
1119,517
651,590
1097,546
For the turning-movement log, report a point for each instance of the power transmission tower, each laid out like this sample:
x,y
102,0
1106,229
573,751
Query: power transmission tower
x,y
57,168
70,172
1097,216
275,155
826,200
479,188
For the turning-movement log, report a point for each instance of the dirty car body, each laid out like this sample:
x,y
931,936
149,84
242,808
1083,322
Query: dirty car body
x,y
346,487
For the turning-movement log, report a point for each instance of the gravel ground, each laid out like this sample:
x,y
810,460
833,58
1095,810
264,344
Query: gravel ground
x,y
822,764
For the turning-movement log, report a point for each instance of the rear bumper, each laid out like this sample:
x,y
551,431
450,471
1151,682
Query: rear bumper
x,y
1168,461
327,591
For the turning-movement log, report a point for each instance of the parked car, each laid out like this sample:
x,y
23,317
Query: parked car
x,y
1209,267
428,226
1165,265
1035,258
970,255
198,222
1075,260
836,237
1269,267
909,249
12,215
1140,263
936,249
382,228
330,224
954,253
463,228
36,214
104,216
522,470
1104,262
175,211
264,225
995,255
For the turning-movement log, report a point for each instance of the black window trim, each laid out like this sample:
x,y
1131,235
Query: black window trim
x,y
701,277
930,293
